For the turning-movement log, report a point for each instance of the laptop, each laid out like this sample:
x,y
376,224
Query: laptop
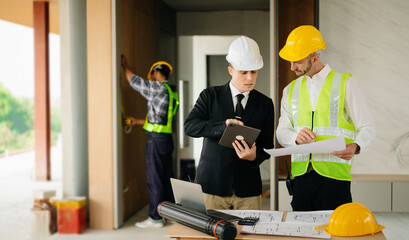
x,y
190,195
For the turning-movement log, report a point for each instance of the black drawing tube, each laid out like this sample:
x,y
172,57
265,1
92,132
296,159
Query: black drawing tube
x,y
211,225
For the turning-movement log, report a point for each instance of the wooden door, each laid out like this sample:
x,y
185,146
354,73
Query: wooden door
x,y
139,45
291,14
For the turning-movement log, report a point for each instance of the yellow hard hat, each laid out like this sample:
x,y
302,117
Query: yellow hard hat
x,y
158,64
301,42
352,219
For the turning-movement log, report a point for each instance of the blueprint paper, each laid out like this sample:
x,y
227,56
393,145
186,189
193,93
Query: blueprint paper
x,y
264,216
287,229
316,217
325,146
297,224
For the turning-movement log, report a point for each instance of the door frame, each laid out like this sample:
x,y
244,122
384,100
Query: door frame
x,y
116,117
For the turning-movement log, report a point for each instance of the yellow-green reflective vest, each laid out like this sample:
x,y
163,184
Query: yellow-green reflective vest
x,y
173,107
327,121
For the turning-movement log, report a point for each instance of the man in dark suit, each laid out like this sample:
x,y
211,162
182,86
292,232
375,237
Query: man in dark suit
x,y
230,178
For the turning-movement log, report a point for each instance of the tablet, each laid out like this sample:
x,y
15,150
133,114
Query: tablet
x,y
239,132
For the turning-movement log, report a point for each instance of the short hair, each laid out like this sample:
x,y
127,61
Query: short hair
x,y
163,69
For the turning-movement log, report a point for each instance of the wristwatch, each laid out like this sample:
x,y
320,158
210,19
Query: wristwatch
x,y
358,149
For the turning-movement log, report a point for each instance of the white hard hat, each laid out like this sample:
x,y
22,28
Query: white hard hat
x,y
244,54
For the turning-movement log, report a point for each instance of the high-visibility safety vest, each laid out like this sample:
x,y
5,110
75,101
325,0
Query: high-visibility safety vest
x,y
173,107
327,121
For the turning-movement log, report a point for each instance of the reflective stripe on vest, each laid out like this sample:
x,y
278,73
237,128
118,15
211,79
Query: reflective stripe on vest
x,y
173,107
327,122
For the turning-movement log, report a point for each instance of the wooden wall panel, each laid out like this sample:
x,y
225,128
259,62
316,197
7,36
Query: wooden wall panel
x,y
291,14
100,125
139,45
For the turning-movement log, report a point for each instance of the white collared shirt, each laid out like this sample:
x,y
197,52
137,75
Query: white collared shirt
x,y
234,92
356,111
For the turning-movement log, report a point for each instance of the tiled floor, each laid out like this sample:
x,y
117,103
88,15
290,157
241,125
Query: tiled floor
x,y
16,189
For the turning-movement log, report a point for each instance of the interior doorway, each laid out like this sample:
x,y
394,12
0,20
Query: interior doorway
x,y
216,70
193,52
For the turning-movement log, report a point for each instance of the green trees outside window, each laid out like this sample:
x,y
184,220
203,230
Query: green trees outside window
x,y
17,122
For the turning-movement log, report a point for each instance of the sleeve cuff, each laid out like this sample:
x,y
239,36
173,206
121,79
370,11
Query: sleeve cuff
x,y
219,128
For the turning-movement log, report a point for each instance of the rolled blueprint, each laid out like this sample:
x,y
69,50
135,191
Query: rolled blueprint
x,y
211,225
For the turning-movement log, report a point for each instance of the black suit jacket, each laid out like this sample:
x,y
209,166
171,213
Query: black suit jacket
x,y
220,169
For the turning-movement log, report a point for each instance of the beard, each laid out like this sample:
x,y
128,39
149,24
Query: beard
x,y
306,70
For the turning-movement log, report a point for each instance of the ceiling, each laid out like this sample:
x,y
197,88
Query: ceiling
x,y
21,12
217,5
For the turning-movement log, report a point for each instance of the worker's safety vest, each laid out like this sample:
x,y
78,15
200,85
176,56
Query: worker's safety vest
x,y
173,107
327,121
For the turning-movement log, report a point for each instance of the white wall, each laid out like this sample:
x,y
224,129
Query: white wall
x,y
254,24
193,28
192,67
370,39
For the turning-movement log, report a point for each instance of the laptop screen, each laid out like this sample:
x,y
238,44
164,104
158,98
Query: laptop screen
x,y
188,194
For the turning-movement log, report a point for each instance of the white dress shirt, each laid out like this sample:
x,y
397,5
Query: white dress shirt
x,y
234,92
355,111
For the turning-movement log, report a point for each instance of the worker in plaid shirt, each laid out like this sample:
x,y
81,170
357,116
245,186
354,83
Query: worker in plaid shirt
x,y
162,106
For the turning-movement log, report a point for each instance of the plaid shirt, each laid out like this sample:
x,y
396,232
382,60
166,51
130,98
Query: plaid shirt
x,y
158,98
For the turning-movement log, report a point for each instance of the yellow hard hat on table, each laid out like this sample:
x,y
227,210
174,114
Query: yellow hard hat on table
x,y
301,42
158,64
352,219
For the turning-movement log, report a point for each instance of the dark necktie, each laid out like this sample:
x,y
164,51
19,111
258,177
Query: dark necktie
x,y
239,106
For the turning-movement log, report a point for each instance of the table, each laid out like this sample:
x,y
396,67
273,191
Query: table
x,y
181,232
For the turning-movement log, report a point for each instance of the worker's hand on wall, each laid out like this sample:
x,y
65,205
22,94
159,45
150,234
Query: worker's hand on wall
x,y
124,62
128,72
